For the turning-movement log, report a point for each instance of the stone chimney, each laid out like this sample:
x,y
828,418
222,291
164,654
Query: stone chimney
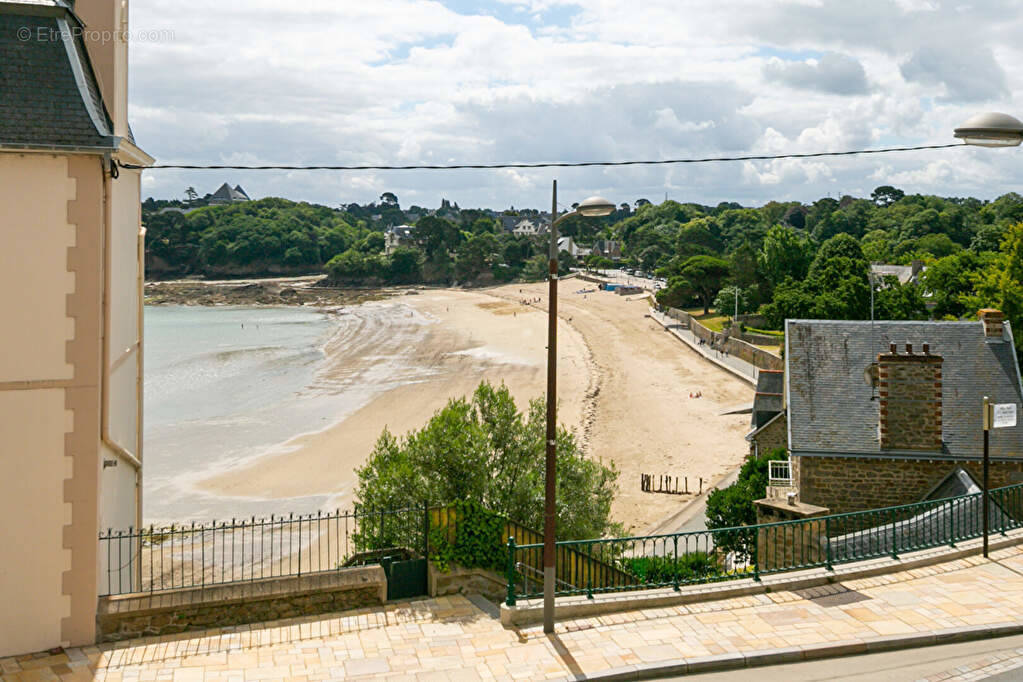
x,y
993,323
909,387
106,39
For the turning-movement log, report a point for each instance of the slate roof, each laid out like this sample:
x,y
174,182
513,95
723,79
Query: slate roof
x,y
829,402
767,400
48,91
227,194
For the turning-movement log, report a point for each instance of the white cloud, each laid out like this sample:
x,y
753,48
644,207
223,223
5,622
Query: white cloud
x,y
417,81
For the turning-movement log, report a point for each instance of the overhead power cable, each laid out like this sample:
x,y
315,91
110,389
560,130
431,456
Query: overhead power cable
x,y
577,164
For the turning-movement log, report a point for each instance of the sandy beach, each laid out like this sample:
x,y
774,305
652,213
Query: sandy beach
x,y
623,385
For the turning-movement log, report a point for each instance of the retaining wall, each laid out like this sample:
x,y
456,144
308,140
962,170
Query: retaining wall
x,y
757,357
128,616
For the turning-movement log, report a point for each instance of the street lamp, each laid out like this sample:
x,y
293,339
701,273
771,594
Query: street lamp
x,y
991,130
592,207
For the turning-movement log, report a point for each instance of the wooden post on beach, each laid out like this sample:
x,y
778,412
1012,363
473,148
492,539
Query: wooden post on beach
x,y
701,486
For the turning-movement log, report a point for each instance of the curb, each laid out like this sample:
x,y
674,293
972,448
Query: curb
x,y
766,657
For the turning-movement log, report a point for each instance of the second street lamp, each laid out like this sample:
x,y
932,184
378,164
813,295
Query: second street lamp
x,y
991,129
592,207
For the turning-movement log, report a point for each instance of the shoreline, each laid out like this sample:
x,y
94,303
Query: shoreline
x,y
621,389
456,350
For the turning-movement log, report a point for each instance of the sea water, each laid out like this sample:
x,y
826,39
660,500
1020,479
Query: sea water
x,y
226,385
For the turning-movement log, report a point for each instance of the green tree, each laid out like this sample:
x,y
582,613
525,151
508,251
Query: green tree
x,y
477,256
725,301
433,234
678,294
838,280
706,274
791,301
1000,284
951,281
405,265
785,253
895,301
886,195
733,506
485,450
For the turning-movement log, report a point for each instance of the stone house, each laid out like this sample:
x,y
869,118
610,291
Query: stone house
x,y
608,248
71,276
399,235
906,274
881,414
568,244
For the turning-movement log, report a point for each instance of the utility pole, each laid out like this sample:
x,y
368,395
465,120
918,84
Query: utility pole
x,y
986,503
550,510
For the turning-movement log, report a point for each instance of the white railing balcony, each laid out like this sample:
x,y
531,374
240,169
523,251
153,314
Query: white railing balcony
x,y
779,472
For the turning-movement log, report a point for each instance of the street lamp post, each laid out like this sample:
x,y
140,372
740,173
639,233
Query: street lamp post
x,y
990,129
594,206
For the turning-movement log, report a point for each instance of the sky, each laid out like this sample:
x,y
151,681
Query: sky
x,y
383,82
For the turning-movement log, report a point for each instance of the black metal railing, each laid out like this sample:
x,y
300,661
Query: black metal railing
x,y
672,560
160,558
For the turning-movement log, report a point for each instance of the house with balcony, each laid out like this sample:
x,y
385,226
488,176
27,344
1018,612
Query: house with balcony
x,y
71,277
889,413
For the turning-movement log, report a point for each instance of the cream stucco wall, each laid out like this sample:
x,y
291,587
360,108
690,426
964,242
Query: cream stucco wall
x,y
34,190
124,348
33,467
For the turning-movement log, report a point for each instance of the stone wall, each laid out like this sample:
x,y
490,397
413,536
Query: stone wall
x,y
137,615
848,484
460,580
785,546
774,435
757,357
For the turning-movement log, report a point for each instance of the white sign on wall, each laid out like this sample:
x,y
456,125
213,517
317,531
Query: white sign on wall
x,y
1003,416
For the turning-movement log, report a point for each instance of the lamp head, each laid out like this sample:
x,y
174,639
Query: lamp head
x,y
991,130
594,207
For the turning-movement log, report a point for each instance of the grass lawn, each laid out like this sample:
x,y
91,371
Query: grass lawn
x,y
711,320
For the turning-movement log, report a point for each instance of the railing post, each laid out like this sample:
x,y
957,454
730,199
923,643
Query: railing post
x,y
756,553
827,543
895,554
951,523
674,573
510,601
426,529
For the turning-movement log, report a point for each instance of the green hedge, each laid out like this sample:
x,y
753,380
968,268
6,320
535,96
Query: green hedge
x,y
663,570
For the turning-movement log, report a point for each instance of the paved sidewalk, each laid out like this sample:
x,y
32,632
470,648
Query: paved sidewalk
x,y
450,638
730,363
1000,665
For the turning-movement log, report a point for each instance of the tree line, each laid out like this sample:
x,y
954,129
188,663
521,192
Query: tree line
x,y
783,259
